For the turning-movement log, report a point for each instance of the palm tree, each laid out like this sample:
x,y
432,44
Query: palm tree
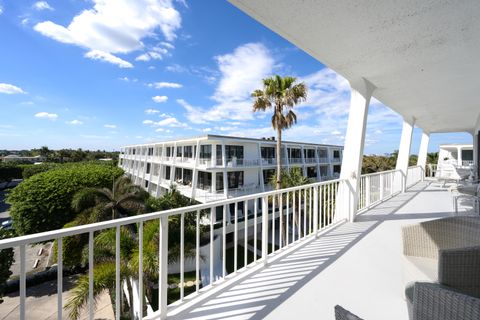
x,y
124,199
281,94
95,205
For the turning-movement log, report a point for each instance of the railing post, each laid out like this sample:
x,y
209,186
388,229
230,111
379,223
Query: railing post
x,y
163,268
264,229
315,210
381,186
367,191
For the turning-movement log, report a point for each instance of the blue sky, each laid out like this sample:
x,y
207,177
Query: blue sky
x,y
105,73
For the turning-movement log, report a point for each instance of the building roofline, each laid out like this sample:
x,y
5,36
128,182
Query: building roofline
x,y
217,136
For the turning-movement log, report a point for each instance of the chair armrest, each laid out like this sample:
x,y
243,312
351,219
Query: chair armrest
x,y
460,269
343,314
436,302
418,243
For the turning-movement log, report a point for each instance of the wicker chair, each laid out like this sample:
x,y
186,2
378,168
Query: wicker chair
x,y
426,248
342,314
432,301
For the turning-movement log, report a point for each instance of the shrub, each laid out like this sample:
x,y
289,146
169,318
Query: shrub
x,y
33,169
43,202
9,171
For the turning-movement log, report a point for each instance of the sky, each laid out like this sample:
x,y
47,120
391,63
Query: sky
x,y
101,74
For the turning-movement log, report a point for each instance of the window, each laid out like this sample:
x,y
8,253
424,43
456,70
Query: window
x,y
268,175
234,151
146,183
206,151
133,151
336,154
187,177
294,153
167,172
467,155
309,153
219,154
322,153
312,172
219,181
179,152
178,174
150,151
336,169
267,152
235,179
187,152
323,171
168,151
204,180
148,168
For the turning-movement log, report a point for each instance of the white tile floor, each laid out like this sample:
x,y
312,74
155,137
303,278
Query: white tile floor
x,y
356,265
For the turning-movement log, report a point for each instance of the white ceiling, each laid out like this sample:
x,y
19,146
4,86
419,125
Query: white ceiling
x,y
423,56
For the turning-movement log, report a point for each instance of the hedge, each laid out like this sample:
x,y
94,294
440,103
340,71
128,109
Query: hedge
x,y
43,201
9,171
33,169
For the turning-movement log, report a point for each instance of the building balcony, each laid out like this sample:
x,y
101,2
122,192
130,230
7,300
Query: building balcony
x,y
295,160
310,160
316,261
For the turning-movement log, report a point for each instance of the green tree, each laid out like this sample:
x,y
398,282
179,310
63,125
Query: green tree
x,y
281,94
43,202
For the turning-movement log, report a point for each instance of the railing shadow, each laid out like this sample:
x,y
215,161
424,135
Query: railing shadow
x,y
258,294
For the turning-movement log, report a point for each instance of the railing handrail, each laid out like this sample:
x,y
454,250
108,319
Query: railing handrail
x,y
60,233
381,172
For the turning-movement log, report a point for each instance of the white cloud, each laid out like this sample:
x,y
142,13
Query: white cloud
x,y
110,126
46,115
42,5
118,26
127,79
1,9
160,85
10,89
241,72
167,121
160,99
152,111
156,53
75,122
107,57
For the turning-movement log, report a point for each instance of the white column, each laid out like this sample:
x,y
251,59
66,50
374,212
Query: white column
x,y
459,157
353,150
195,170
224,164
404,150
422,153
260,165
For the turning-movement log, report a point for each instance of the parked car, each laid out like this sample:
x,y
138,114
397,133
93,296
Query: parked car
x,y
6,224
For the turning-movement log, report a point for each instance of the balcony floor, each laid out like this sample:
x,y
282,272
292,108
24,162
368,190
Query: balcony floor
x,y
357,265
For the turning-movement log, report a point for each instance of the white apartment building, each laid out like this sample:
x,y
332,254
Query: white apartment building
x,y
215,167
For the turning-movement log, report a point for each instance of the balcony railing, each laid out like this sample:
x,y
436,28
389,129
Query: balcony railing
x,y
414,175
310,160
295,160
278,219
377,187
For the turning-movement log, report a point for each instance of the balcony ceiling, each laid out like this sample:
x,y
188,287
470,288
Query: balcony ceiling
x,y
423,56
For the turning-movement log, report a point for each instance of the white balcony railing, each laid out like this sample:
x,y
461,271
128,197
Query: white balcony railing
x,y
295,160
273,221
310,160
414,175
377,187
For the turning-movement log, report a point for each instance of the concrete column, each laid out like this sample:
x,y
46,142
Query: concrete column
x,y
224,163
404,150
459,157
195,171
353,150
214,155
422,153
260,176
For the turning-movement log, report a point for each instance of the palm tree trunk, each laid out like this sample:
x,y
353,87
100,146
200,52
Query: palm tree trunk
x,y
279,159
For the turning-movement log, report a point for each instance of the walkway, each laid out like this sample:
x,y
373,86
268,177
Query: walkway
x,y
356,265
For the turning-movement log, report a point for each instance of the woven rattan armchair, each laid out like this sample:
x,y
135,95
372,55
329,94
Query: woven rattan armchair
x,y
432,301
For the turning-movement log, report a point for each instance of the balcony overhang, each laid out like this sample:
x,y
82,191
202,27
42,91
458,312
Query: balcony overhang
x,y
421,56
